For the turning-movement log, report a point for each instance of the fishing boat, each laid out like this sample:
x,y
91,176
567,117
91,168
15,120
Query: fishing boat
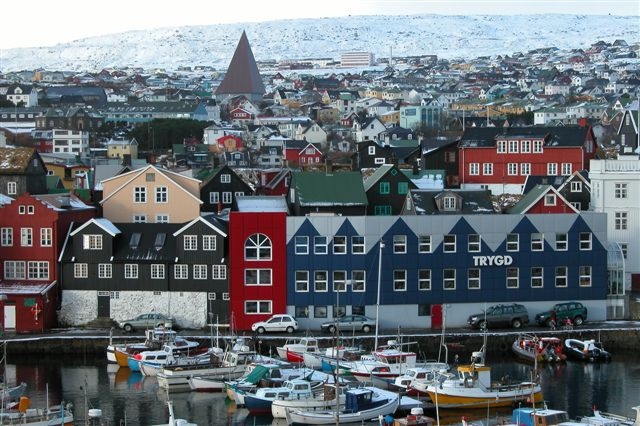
x,y
413,382
23,414
324,399
387,362
531,416
154,339
539,349
169,352
586,350
294,349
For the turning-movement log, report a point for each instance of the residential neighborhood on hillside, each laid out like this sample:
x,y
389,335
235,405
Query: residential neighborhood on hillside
x,y
412,192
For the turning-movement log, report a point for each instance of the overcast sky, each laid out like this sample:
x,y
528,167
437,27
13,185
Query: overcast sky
x,y
46,22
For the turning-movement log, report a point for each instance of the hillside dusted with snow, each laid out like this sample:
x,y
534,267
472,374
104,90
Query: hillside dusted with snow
x,y
446,36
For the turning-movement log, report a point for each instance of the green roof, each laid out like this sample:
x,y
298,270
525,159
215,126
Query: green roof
x,y
319,188
529,199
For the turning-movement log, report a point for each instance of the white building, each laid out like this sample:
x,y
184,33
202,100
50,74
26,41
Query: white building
x,y
356,59
70,141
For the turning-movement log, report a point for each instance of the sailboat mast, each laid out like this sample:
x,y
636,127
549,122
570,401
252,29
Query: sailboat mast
x,y
375,344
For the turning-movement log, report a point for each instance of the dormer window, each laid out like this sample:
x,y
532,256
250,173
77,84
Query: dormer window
x,y
449,203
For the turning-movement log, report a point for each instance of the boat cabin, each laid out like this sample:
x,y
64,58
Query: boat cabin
x,y
527,416
358,400
475,374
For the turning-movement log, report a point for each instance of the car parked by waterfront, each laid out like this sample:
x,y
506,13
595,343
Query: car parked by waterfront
x,y
512,315
349,323
278,322
560,312
150,320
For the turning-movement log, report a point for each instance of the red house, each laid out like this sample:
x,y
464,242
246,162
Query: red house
x,y
273,182
299,153
240,116
33,229
543,199
257,266
230,143
500,159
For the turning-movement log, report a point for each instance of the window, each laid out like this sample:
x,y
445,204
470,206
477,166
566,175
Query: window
x,y
565,169
200,272
139,218
38,270
209,242
513,279
424,279
624,247
585,241
190,242
320,245
257,307
12,188
302,312
576,186
26,237
449,243
30,210
585,276
257,277
502,147
449,203
385,187
105,270
22,209
536,277
487,169
219,272
181,272
340,281
302,281
562,242
561,276
424,244
525,147
320,281
225,178
357,244
162,194
157,271
339,244
358,281
257,247
302,244
512,169
80,270
537,147
537,241
384,210
449,279
474,169
552,169
399,243
400,280
140,194
473,278
226,197
620,190
424,310
130,270
525,169
214,197
513,147
7,237
550,200
320,311
371,150
473,243
621,221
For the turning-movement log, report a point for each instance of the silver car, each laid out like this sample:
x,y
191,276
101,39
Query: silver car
x,y
145,321
350,323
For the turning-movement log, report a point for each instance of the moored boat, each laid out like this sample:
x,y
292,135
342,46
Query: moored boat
x,y
586,350
538,349
23,414
294,349
385,363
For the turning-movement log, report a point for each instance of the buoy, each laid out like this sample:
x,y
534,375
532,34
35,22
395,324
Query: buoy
x,y
24,404
138,357
95,413
417,411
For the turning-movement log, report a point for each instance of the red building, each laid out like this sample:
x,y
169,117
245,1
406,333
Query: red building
x,y
300,153
257,266
500,159
230,143
543,199
33,229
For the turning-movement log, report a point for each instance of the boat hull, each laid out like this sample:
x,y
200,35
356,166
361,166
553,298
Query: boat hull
x,y
481,399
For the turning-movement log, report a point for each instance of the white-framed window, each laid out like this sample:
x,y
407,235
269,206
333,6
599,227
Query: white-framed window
x,y
320,245
131,271
257,306
399,244
139,218
512,169
552,169
525,147
561,276
200,272
424,279
320,281
140,194
105,270
400,280
162,218
449,243
585,276
537,277
585,240
302,281
92,242
31,209
487,169
302,244
257,277
157,271
26,237
225,178
219,272
562,242
358,281
22,209
46,237
371,150
14,270
550,199
357,244
513,277
621,221
473,278
226,197
502,147
525,169
449,203
340,281
449,279
474,169
190,242
513,147
162,194
214,197
537,147
513,242
339,244
624,248
226,296
181,272
257,247
80,270
620,190
576,205
209,242
12,188
576,186
537,241
7,237
565,169
473,243
38,270
424,244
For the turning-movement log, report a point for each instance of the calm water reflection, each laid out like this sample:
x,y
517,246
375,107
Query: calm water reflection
x,y
122,395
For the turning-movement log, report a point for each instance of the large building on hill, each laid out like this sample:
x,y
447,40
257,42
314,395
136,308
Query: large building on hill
x,y
242,77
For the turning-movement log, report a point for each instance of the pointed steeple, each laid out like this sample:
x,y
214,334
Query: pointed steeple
x,y
243,77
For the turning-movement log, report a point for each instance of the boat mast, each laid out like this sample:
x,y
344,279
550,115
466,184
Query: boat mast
x,y
381,246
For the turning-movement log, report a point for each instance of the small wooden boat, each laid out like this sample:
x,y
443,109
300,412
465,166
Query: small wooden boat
x,y
586,350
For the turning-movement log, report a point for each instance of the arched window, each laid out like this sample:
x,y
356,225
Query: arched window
x,y
257,247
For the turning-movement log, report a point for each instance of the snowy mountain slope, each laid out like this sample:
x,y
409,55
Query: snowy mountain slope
x,y
445,36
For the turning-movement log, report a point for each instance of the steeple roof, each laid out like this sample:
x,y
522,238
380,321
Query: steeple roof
x,y
242,77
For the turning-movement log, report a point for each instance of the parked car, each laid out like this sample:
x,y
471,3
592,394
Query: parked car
x,y
350,322
575,311
279,322
145,321
513,315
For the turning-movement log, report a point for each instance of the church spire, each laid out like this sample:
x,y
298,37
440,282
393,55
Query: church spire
x,y
242,77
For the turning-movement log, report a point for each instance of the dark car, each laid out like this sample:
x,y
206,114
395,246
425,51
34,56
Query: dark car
x,y
513,315
145,321
574,311
349,323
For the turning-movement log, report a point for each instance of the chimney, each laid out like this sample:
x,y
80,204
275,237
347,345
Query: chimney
x,y
329,166
126,159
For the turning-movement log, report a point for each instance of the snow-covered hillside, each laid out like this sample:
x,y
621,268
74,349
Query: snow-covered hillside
x,y
445,36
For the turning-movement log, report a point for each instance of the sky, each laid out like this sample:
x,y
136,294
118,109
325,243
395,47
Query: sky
x,y
47,23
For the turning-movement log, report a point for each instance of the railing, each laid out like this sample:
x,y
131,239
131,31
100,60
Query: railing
x,y
624,166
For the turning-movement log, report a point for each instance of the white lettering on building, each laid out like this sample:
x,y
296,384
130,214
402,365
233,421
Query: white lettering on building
x,y
497,260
